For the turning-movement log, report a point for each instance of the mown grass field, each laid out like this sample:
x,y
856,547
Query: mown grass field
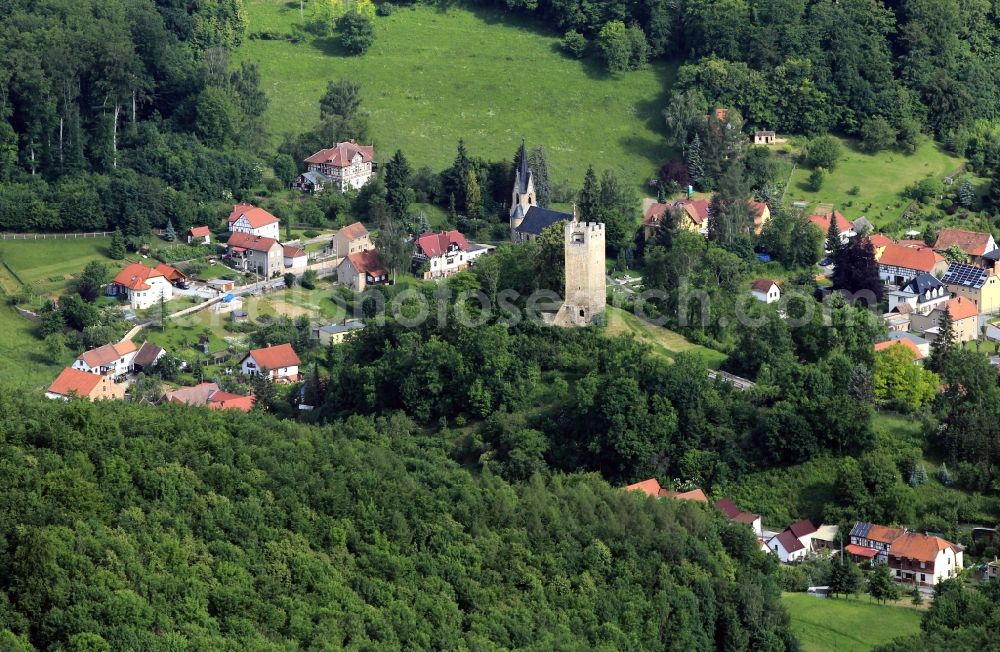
x,y
879,178
847,624
49,265
663,341
434,76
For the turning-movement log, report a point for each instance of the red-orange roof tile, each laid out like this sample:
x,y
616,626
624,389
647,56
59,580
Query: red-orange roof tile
x,y
199,231
919,259
961,308
250,241
367,262
436,244
341,154
275,357
973,243
905,343
921,547
354,231
823,222
649,487
74,381
257,217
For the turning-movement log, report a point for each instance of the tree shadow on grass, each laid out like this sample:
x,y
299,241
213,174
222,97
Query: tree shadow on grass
x,y
330,46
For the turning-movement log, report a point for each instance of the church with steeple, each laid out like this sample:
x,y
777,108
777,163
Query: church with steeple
x,y
527,218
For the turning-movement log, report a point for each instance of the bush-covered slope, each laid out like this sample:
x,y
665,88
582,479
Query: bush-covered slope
x,y
126,527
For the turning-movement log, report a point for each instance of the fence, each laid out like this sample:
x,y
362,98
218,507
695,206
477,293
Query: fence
x,y
54,236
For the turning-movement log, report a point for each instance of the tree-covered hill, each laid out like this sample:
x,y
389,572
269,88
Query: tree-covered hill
x,y
128,527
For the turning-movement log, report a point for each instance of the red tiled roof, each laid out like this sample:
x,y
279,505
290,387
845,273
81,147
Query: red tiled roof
x,y
919,259
654,213
199,231
170,273
883,534
961,308
74,381
762,285
802,528
225,401
354,231
697,210
257,217
105,355
250,241
649,487
696,495
913,545
341,154
293,252
789,541
917,355
367,262
823,222
860,551
727,507
134,276
436,244
275,357
973,243
880,240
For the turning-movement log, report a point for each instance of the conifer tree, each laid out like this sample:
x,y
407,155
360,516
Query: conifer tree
x,y
833,236
473,195
944,344
169,234
539,163
117,249
966,194
397,185
695,162
856,270
589,200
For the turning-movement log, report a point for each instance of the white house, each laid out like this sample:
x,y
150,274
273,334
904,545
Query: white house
x,y
917,558
923,293
766,290
280,362
444,253
872,541
247,218
199,235
144,286
347,165
794,543
108,360
295,259
899,264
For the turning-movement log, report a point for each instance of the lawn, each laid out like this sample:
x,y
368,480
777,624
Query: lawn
x,y
663,341
434,76
23,360
879,179
48,265
848,624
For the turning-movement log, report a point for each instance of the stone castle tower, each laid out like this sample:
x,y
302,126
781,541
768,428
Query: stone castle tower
x,y
523,195
586,291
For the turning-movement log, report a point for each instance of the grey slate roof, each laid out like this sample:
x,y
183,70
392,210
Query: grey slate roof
x,y
965,275
538,219
921,283
333,329
903,335
992,255
315,177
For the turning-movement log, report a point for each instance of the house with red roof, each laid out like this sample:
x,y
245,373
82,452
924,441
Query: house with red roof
x,y
922,559
199,235
255,254
974,244
294,258
441,254
761,215
345,166
794,542
144,286
74,383
693,215
870,541
653,217
964,316
249,219
766,290
209,395
351,239
845,227
737,515
898,265
653,489
358,271
280,362
108,360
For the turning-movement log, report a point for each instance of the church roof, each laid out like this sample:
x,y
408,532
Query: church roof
x,y
537,219
522,170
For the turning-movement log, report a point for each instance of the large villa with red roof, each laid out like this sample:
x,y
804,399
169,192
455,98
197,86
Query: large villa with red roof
x,y
145,286
345,166
247,218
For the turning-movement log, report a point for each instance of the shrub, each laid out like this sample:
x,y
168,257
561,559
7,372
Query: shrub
x,y
823,152
310,233
357,32
815,181
384,9
877,134
574,44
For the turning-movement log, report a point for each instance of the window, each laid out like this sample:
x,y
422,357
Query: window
x,y
898,573
923,565
922,577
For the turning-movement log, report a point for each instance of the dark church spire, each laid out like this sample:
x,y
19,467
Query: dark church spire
x,y
522,169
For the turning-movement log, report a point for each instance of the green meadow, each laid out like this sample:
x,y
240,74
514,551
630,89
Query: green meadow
x,y
879,179
434,76
847,624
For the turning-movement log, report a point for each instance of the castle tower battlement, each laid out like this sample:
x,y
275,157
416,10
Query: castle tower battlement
x,y
586,289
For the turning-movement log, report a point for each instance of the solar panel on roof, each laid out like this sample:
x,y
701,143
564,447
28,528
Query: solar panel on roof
x,y
966,275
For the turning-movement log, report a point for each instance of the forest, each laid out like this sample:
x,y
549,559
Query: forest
x,y
123,527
